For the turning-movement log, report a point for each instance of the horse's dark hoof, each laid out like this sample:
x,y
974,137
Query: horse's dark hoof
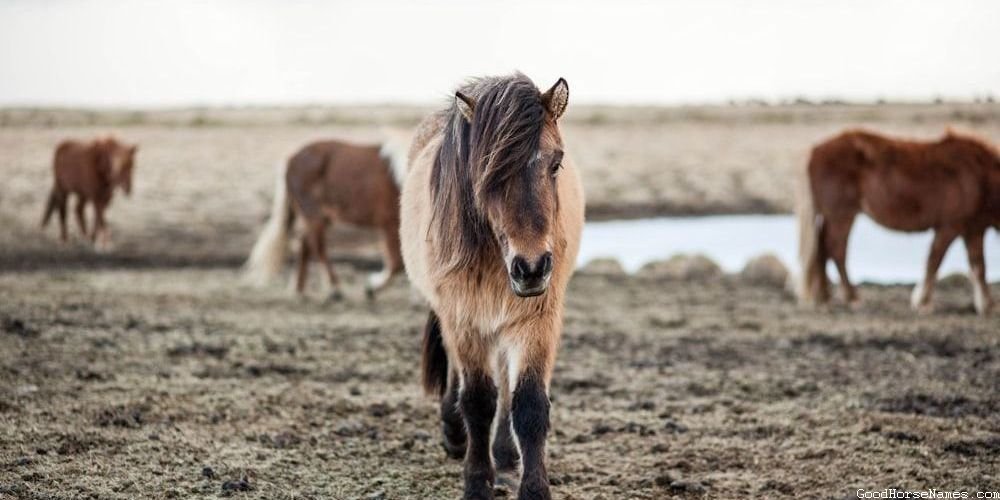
x,y
502,490
335,296
509,480
370,293
535,492
484,493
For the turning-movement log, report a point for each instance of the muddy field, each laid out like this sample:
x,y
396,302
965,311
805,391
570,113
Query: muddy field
x,y
155,372
184,383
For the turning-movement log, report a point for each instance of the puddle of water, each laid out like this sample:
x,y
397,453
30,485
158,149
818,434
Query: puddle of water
x,y
874,253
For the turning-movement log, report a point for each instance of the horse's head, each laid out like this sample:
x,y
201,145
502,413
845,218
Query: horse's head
x,y
515,154
122,164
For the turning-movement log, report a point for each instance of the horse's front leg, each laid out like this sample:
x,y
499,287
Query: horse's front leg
x,y
101,235
478,401
977,271
506,458
530,366
81,215
922,293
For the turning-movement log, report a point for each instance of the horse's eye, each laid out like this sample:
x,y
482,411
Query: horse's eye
x,y
555,167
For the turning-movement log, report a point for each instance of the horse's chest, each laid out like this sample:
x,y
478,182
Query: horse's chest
x,y
482,309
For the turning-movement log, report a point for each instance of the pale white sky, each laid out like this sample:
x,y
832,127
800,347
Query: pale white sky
x,y
187,52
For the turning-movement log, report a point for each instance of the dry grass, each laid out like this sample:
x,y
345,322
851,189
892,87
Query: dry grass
x,y
154,372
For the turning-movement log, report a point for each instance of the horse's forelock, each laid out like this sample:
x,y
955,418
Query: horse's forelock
x,y
479,160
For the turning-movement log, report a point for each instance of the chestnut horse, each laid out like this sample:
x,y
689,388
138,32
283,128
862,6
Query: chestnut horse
x,y
327,182
951,185
492,212
90,171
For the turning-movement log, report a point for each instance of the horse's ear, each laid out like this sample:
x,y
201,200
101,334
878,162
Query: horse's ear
x,y
465,104
556,98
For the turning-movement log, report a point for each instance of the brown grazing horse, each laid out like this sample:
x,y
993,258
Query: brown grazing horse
x,y
951,185
91,171
492,212
327,182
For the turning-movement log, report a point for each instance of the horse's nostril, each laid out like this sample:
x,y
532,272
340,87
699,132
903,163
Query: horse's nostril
x,y
545,265
519,269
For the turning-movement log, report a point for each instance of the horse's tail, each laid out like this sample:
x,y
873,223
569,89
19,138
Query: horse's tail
x,y
268,255
50,206
395,158
810,227
434,363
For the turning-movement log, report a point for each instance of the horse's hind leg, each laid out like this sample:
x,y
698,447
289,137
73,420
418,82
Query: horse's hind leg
x,y
51,205
303,270
822,284
837,230
977,271
61,207
451,419
81,216
922,293
391,266
317,234
101,234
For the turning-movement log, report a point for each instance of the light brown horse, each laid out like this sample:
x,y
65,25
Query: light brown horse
x,y
327,182
951,185
91,171
492,212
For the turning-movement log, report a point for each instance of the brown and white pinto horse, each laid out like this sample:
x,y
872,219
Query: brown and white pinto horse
x,y
327,182
91,171
492,212
951,185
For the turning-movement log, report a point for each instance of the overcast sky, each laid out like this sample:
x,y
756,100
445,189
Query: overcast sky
x,y
170,53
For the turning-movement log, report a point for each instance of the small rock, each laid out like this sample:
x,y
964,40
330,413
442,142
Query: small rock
x,y
284,440
603,266
954,281
684,486
350,428
379,410
674,427
683,267
24,390
664,480
601,429
208,472
765,270
18,327
236,485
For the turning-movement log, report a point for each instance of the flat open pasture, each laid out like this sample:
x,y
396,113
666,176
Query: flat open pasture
x,y
156,372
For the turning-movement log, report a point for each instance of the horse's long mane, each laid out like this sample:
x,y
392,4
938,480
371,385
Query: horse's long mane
x,y
478,160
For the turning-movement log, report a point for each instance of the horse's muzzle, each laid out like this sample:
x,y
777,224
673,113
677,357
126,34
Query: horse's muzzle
x,y
529,279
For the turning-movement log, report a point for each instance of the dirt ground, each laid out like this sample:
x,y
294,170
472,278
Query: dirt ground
x,y
155,372
184,383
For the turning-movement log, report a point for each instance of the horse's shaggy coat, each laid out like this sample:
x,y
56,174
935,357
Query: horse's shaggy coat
x,y
491,217
327,182
90,171
951,185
